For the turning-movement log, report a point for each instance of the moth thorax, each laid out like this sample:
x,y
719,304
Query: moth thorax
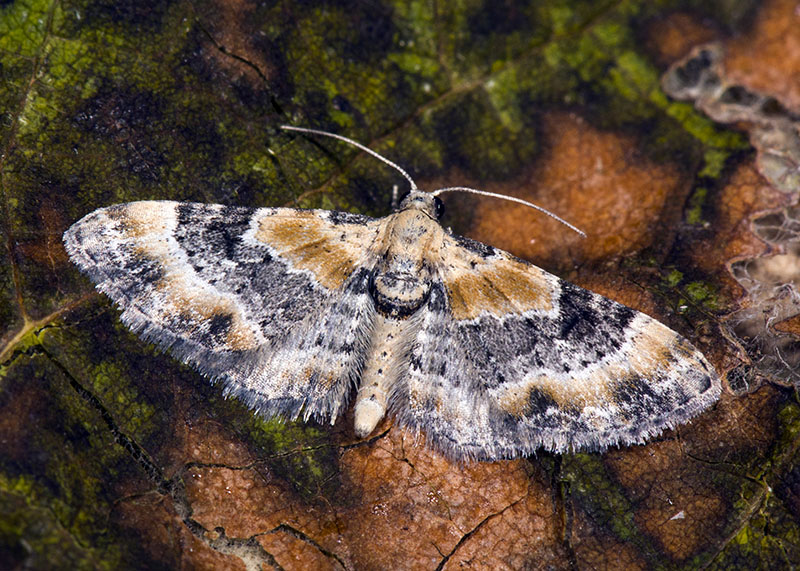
x,y
398,294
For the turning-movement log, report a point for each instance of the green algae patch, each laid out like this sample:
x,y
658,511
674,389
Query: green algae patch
x,y
697,201
31,535
110,370
702,294
697,299
57,501
476,140
601,500
771,534
301,453
21,344
789,423
673,278
768,530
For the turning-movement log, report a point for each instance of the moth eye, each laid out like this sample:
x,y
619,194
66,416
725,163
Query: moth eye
x,y
438,206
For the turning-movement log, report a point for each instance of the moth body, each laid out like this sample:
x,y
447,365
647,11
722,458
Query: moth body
x,y
384,361
400,285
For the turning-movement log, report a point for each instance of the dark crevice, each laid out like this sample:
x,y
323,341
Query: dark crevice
x,y
243,60
248,550
137,452
367,442
562,502
466,537
284,528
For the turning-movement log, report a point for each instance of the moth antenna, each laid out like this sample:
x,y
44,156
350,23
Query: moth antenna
x,y
510,199
437,192
357,145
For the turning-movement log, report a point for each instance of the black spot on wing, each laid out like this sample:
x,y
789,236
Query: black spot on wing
x,y
586,315
576,317
437,298
539,402
146,271
218,328
704,383
211,229
640,400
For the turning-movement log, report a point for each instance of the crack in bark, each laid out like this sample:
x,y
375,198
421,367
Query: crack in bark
x,y
286,528
464,538
249,550
129,444
251,553
367,442
243,60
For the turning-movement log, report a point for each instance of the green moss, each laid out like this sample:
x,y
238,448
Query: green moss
x,y
108,378
689,296
24,27
702,294
30,532
694,212
601,499
789,422
299,452
479,138
673,278
771,532
769,535
58,499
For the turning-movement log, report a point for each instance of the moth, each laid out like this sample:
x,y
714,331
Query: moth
x,y
484,354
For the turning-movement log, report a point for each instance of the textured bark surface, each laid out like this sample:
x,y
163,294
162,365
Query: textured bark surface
x,y
113,455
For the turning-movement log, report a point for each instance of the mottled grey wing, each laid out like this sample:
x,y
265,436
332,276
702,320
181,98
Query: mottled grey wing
x,y
508,358
273,301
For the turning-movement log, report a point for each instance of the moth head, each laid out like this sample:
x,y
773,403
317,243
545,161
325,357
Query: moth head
x,y
424,202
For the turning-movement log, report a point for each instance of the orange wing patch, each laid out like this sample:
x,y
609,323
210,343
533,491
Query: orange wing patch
x,y
331,252
498,286
200,307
